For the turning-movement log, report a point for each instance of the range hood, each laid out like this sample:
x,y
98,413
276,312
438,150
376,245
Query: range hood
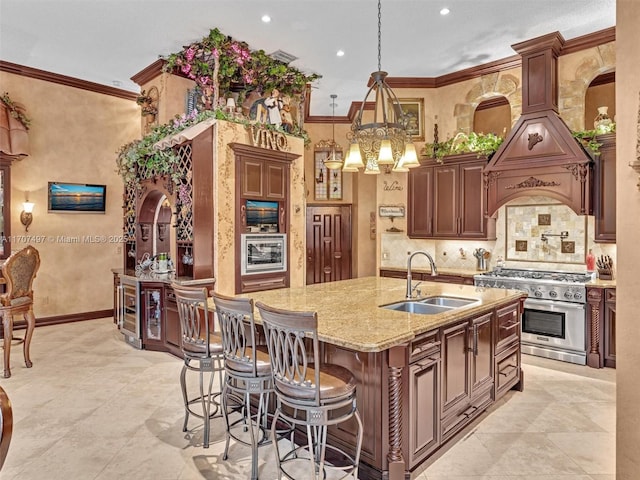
x,y
540,155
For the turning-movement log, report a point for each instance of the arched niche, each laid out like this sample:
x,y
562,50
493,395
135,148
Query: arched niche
x,y
601,92
154,234
493,115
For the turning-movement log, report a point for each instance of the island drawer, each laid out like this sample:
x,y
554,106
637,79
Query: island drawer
x,y
507,370
508,329
425,345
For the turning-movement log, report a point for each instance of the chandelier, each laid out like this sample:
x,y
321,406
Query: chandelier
x,y
384,141
333,161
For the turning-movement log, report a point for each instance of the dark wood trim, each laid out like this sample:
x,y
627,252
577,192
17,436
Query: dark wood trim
x,y
589,40
492,103
609,77
30,72
149,73
70,318
496,66
411,82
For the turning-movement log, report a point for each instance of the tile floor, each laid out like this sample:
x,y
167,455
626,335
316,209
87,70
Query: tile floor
x,y
93,407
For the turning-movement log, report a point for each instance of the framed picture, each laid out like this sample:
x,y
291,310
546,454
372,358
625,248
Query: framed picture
x,y
413,109
76,198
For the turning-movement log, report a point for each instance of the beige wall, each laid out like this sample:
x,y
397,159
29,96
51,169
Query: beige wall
x,y
74,137
628,235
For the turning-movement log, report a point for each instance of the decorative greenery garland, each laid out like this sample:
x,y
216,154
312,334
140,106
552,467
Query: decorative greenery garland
x,y
15,111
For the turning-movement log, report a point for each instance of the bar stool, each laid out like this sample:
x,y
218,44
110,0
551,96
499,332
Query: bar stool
x,y
247,374
311,395
199,344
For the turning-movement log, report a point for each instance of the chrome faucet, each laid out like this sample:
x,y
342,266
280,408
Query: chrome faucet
x,y
432,263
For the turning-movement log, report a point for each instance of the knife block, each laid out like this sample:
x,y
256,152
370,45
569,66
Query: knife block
x,y
605,275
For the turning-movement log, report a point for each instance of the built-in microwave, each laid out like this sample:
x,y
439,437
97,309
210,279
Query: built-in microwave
x,y
263,253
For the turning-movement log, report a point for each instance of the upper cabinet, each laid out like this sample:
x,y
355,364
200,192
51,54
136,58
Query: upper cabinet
x,y
446,200
604,191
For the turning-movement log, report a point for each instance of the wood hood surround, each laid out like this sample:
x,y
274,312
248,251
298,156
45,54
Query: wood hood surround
x,y
540,155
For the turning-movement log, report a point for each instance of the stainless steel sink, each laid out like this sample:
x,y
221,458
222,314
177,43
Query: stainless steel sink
x,y
430,305
412,306
453,302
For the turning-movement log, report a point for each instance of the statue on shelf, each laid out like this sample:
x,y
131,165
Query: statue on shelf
x,y
267,110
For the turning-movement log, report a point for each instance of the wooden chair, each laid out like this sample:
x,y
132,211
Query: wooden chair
x,y
18,270
6,425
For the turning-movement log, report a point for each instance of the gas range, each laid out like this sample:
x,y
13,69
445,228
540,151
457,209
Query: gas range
x,y
541,284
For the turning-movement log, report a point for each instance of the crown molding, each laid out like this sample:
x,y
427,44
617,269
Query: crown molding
x,y
149,73
30,72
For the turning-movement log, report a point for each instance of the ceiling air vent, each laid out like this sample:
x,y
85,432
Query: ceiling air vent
x,y
284,57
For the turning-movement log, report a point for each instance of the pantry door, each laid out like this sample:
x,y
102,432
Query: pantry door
x,y
328,243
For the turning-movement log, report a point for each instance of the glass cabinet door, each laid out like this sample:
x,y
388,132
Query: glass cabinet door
x,y
153,313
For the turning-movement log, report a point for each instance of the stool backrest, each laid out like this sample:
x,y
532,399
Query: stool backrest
x,y
19,270
237,327
287,333
194,318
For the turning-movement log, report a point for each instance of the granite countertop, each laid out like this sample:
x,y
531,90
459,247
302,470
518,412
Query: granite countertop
x,y
161,277
349,313
462,272
599,283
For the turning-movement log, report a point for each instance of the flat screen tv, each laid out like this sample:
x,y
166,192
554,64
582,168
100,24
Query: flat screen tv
x,y
262,216
77,197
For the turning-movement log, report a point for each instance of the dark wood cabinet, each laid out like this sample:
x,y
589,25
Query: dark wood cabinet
x,y
441,277
446,200
467,372
171,319
420,202
601,327
609,327
263,176
424,397
604,191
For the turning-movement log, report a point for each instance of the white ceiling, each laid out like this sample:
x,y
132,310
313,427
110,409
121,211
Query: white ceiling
x,y
109,41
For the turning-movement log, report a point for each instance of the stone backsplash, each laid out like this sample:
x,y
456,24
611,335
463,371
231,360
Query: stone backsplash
x,y
516,221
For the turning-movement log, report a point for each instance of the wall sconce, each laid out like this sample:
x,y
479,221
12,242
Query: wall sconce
x,y
26,216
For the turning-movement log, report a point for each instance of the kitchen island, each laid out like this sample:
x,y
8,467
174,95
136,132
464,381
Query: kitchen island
x,y
420,378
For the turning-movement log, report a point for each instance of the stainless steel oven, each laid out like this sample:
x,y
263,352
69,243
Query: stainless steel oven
x,y
554,329
263,253
554,320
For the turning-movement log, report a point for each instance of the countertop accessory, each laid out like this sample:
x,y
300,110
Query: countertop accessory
x,y
482,256
605,267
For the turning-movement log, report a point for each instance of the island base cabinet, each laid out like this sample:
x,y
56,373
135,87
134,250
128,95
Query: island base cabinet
x,y
424,408
507,370
467,379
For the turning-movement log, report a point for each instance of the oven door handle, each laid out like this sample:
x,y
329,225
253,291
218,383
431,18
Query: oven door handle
x,y
545,303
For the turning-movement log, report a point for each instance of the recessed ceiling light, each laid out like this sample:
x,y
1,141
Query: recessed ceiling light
x,y
444,11
266,18
340,53
116,83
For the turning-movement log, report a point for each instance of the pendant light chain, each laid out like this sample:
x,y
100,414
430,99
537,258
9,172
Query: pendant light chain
x,y
379,35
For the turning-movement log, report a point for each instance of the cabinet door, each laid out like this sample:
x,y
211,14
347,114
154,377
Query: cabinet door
x,y
252,174
424,402
275,181
420,203
152,314
610,328
171,319
445,203
481,353
471,210
455,366
605,190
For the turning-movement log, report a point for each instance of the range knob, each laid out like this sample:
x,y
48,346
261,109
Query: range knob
x,y
577,296
537,293
553,294
568,294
